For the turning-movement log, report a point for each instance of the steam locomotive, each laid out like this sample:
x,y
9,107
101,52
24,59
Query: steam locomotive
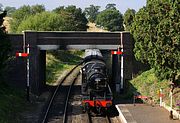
x,y
96,92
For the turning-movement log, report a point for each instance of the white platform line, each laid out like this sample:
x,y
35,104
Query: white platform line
x,y
122,117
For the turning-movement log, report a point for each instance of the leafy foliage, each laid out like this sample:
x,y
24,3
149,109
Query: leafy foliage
x,y
128,18
45,21
111,19
12,104
65,19
37,9
111,6
10,10
157,37
22,13
4,45
58,9
92,12
74,17
32,18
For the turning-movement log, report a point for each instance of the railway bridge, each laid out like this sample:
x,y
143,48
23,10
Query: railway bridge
x,y
40,42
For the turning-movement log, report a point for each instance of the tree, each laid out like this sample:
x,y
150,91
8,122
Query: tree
x,y
22,13
10,10
110,19
157,37
37,9
18,16
74,17
65,19
4,46
58,9
111,6
46,21
128,18
92,12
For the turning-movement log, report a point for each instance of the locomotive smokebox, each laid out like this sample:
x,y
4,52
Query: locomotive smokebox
x,y
95,81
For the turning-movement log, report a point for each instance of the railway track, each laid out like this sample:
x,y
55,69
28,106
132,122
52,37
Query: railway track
x,y
63,105
108,119
67,100
56,110
101,119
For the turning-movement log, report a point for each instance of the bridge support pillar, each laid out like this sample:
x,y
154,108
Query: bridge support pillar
x,y
37,63
115,71
126,60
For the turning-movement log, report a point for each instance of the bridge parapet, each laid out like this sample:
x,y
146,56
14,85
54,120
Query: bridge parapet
x,y
16,41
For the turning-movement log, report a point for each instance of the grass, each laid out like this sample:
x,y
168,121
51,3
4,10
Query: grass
x,y
147,84
12,103
59,61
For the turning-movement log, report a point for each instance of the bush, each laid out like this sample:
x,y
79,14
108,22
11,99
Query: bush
x,y
156,33
45,21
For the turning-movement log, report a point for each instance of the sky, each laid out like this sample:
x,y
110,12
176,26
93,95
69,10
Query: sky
x,y
121,5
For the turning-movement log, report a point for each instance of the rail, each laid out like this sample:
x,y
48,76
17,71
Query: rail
x,y
55,92
67,99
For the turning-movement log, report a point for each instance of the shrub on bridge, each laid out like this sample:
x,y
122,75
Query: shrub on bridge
x,y
22,13
62,19
46,21
75,19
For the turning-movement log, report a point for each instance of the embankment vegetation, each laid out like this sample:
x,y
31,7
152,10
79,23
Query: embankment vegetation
x,y
12,103
11,100
155,30
156,34
58,62
148,84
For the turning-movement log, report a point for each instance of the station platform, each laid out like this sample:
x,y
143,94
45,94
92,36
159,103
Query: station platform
x,y
143,113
